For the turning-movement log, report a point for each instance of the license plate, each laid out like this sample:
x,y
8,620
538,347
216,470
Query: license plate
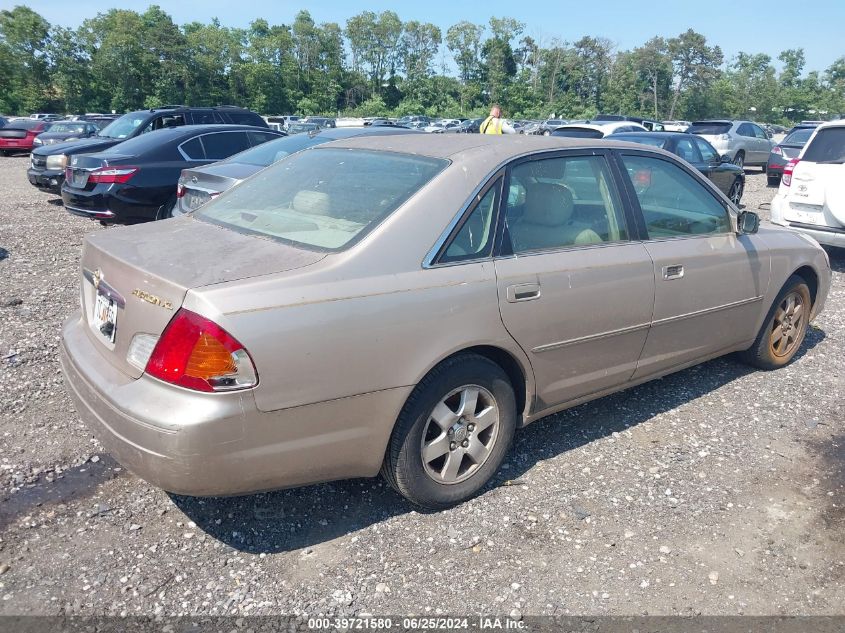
x,y
194,199
806,216
105,316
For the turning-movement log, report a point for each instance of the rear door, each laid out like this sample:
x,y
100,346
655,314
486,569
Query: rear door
x,y
220,145
709,281
576,287
763,144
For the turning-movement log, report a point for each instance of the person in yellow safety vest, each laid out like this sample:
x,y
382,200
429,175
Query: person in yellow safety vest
x,y
494,124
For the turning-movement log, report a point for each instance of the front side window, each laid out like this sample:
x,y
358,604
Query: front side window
x,y
323,198
562,202
686,150
674,204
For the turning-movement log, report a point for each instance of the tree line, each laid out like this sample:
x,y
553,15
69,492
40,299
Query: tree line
x,y
376,64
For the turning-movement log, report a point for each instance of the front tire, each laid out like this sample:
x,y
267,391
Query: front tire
x,y
784,329
453,433
166,210
739,159
735,192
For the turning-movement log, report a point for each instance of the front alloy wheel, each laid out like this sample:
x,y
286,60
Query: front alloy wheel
x,y
735,193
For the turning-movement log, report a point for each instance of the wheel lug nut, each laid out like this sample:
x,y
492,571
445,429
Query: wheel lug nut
x,y
453,446
471,427
465,443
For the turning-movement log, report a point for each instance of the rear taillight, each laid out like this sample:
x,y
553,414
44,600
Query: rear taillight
x,y
777,150
198,354
117,174
180,190
786,178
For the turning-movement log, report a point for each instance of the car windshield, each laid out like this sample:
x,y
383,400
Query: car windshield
x,y
268,153
324,198
711,128
798,137
67,128
578,132
827,147
124,126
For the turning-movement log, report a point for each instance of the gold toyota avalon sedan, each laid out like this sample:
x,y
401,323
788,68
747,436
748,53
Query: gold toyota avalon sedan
x,y
403,304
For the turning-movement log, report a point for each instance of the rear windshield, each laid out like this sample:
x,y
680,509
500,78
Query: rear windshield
x,y
268,153
578,132
709,128
798,137
827,147
324,198
643,139
27,124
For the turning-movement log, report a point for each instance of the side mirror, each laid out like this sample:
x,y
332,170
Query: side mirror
x,y
748,222
726,159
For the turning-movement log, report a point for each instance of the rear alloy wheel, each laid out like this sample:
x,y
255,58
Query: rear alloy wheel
x,y
784,329
735,192
739,159
453,433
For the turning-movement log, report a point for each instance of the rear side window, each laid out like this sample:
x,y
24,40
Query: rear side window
x,y
745,130
561,202
674,204
709,129
827,147
201,117
245,118
221,145
323,198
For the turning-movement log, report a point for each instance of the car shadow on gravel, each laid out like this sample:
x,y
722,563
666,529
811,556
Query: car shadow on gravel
x,y
293,519
837,259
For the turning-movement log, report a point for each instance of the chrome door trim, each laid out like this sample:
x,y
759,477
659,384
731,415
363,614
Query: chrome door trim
x,y
592,337
691,315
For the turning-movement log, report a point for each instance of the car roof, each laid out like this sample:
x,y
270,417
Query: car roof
x,y
719,121
459,147
653,134
171,133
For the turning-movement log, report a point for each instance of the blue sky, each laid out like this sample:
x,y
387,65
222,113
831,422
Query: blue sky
x,y
753,27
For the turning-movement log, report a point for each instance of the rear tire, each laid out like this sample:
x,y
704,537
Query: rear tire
x,y
166,210
452,434
784,329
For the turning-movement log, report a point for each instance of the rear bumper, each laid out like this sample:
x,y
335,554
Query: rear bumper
x,y
220,444
46,179
105,204
21,146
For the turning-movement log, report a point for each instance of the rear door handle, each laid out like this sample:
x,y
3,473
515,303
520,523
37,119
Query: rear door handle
x,y
523,292
675,271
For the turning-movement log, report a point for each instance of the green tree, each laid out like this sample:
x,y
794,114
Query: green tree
x,y
374,40
24,37
695,65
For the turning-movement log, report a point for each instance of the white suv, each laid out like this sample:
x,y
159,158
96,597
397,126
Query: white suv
x,y
811,197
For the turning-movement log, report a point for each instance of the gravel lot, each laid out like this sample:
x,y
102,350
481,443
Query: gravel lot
x,y
717,490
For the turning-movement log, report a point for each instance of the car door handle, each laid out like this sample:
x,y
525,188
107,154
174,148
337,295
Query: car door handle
x,y
523,292
675,271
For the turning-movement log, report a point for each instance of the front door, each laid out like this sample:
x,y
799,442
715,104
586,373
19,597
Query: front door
x,y
709,281
575,290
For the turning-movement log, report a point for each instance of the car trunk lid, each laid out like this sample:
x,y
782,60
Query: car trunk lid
x,y
198,186
80,167
134,279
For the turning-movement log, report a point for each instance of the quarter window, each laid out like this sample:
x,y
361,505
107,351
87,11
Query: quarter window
x,y
560,202
674,203
193,149
475,238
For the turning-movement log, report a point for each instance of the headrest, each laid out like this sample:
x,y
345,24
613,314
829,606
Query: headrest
x,y
547,204
311,202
